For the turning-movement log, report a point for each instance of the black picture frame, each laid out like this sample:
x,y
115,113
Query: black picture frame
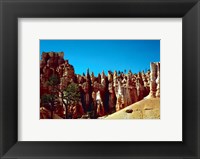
x,y
11,10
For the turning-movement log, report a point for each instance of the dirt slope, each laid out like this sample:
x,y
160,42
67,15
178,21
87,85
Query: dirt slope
x,y
144,109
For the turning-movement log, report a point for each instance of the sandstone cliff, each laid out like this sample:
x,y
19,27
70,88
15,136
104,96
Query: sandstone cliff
x,y
101,95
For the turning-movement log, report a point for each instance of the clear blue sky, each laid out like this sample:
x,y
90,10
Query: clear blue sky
x,y
98,55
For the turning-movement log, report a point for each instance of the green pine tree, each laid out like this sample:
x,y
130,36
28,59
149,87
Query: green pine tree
x,y
70,95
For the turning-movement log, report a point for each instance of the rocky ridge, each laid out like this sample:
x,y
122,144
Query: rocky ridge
x,y
101,95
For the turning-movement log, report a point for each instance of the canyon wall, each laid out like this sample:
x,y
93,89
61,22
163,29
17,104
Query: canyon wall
x,y
101,95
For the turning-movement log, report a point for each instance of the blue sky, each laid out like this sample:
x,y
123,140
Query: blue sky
x,y
99,55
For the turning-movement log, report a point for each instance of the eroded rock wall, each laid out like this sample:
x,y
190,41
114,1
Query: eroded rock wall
x,y
103,94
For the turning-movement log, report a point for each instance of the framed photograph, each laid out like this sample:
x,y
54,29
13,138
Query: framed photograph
x,y
90,79
69,92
